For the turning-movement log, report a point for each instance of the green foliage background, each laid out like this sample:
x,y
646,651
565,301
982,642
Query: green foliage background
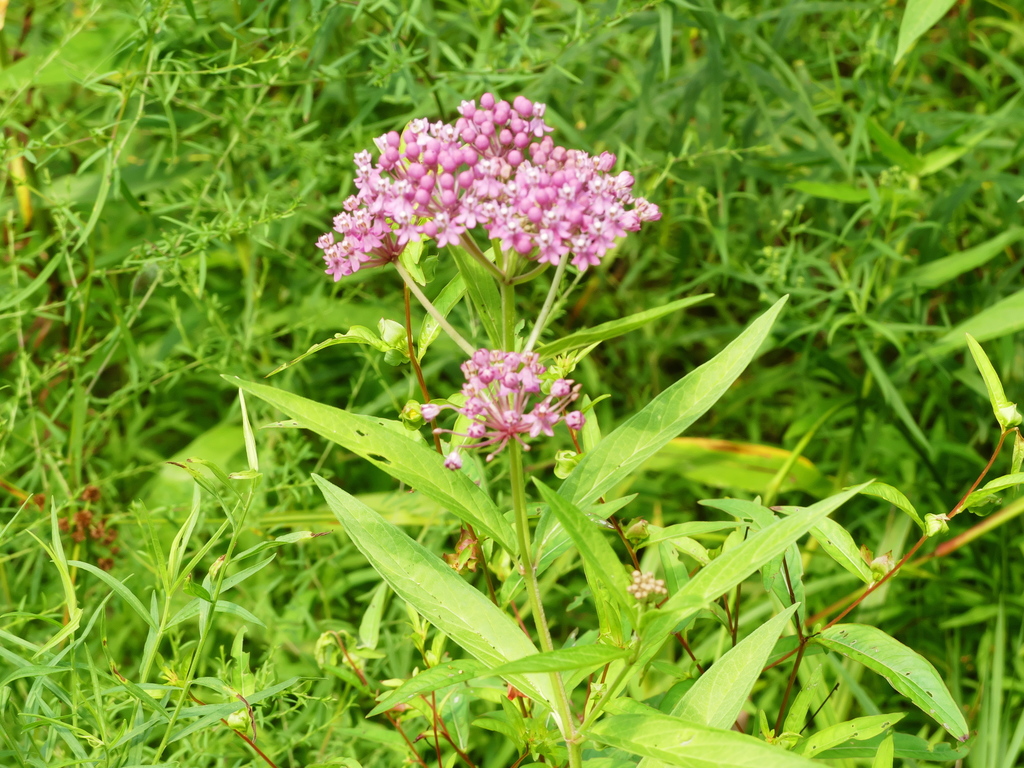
x,y
168,165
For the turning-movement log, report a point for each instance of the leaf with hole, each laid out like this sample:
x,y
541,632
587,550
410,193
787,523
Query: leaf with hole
x,y
383,445
904,668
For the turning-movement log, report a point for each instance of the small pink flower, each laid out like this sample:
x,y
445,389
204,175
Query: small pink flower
x,y
504,400
453,460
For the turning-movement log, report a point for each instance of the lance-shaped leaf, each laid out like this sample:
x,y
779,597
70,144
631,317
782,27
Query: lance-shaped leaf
x,y
614,328
642,435
905,747
905,669
401,457
593,546
647,431
437,593
1006,412
717,697
678,742
429,680
563,660
895,497
735,565
858,729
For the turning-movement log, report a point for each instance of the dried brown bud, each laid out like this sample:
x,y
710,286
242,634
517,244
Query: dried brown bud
x,y
91,493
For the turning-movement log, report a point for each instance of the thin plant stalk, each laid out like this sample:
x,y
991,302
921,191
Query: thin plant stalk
x,y
549,302
469,246
522,521
464,345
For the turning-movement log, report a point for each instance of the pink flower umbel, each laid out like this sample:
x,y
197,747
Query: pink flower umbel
x,y
495,168
504,401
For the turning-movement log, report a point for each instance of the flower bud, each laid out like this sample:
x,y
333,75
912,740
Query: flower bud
x,y
882,565
1008,416
935,524
217,565
638,530
565,463
240,720
412,415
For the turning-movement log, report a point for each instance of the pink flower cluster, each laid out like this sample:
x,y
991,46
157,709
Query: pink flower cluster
x,y
496,167
500,389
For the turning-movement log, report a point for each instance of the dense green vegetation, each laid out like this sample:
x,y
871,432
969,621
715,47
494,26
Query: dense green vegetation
x,y
166,170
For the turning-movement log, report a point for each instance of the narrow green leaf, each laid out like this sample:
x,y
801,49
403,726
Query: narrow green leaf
x,y
643,434
984,494
905,747
918,18
562,660
615,328
680,743
1018,453
483,292
892,149
718,696
846,193
122,591
735,565
935,273
357,334
1002,318
905,670
665,34
430,586
445,302
1005,411
430,680
401,457
884,755
369,627
592,545
858,729
895,497
841,547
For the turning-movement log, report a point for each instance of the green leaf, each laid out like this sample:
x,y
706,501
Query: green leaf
x,y
428,681
892,149
401,457
841,547
483,292
905,670
940,271
369,627
562,660
905,747
718,696
984,494
1018,453
1005,411
677,742
884,755
846,193
122,591
643,434
918,18
858,729
614,328
735,565
1002,318
592,545
445,302
357,334
430,586
895,497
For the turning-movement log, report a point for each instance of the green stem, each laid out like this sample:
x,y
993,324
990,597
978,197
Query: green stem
x,y
549,302
508,314
464,345
518,482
